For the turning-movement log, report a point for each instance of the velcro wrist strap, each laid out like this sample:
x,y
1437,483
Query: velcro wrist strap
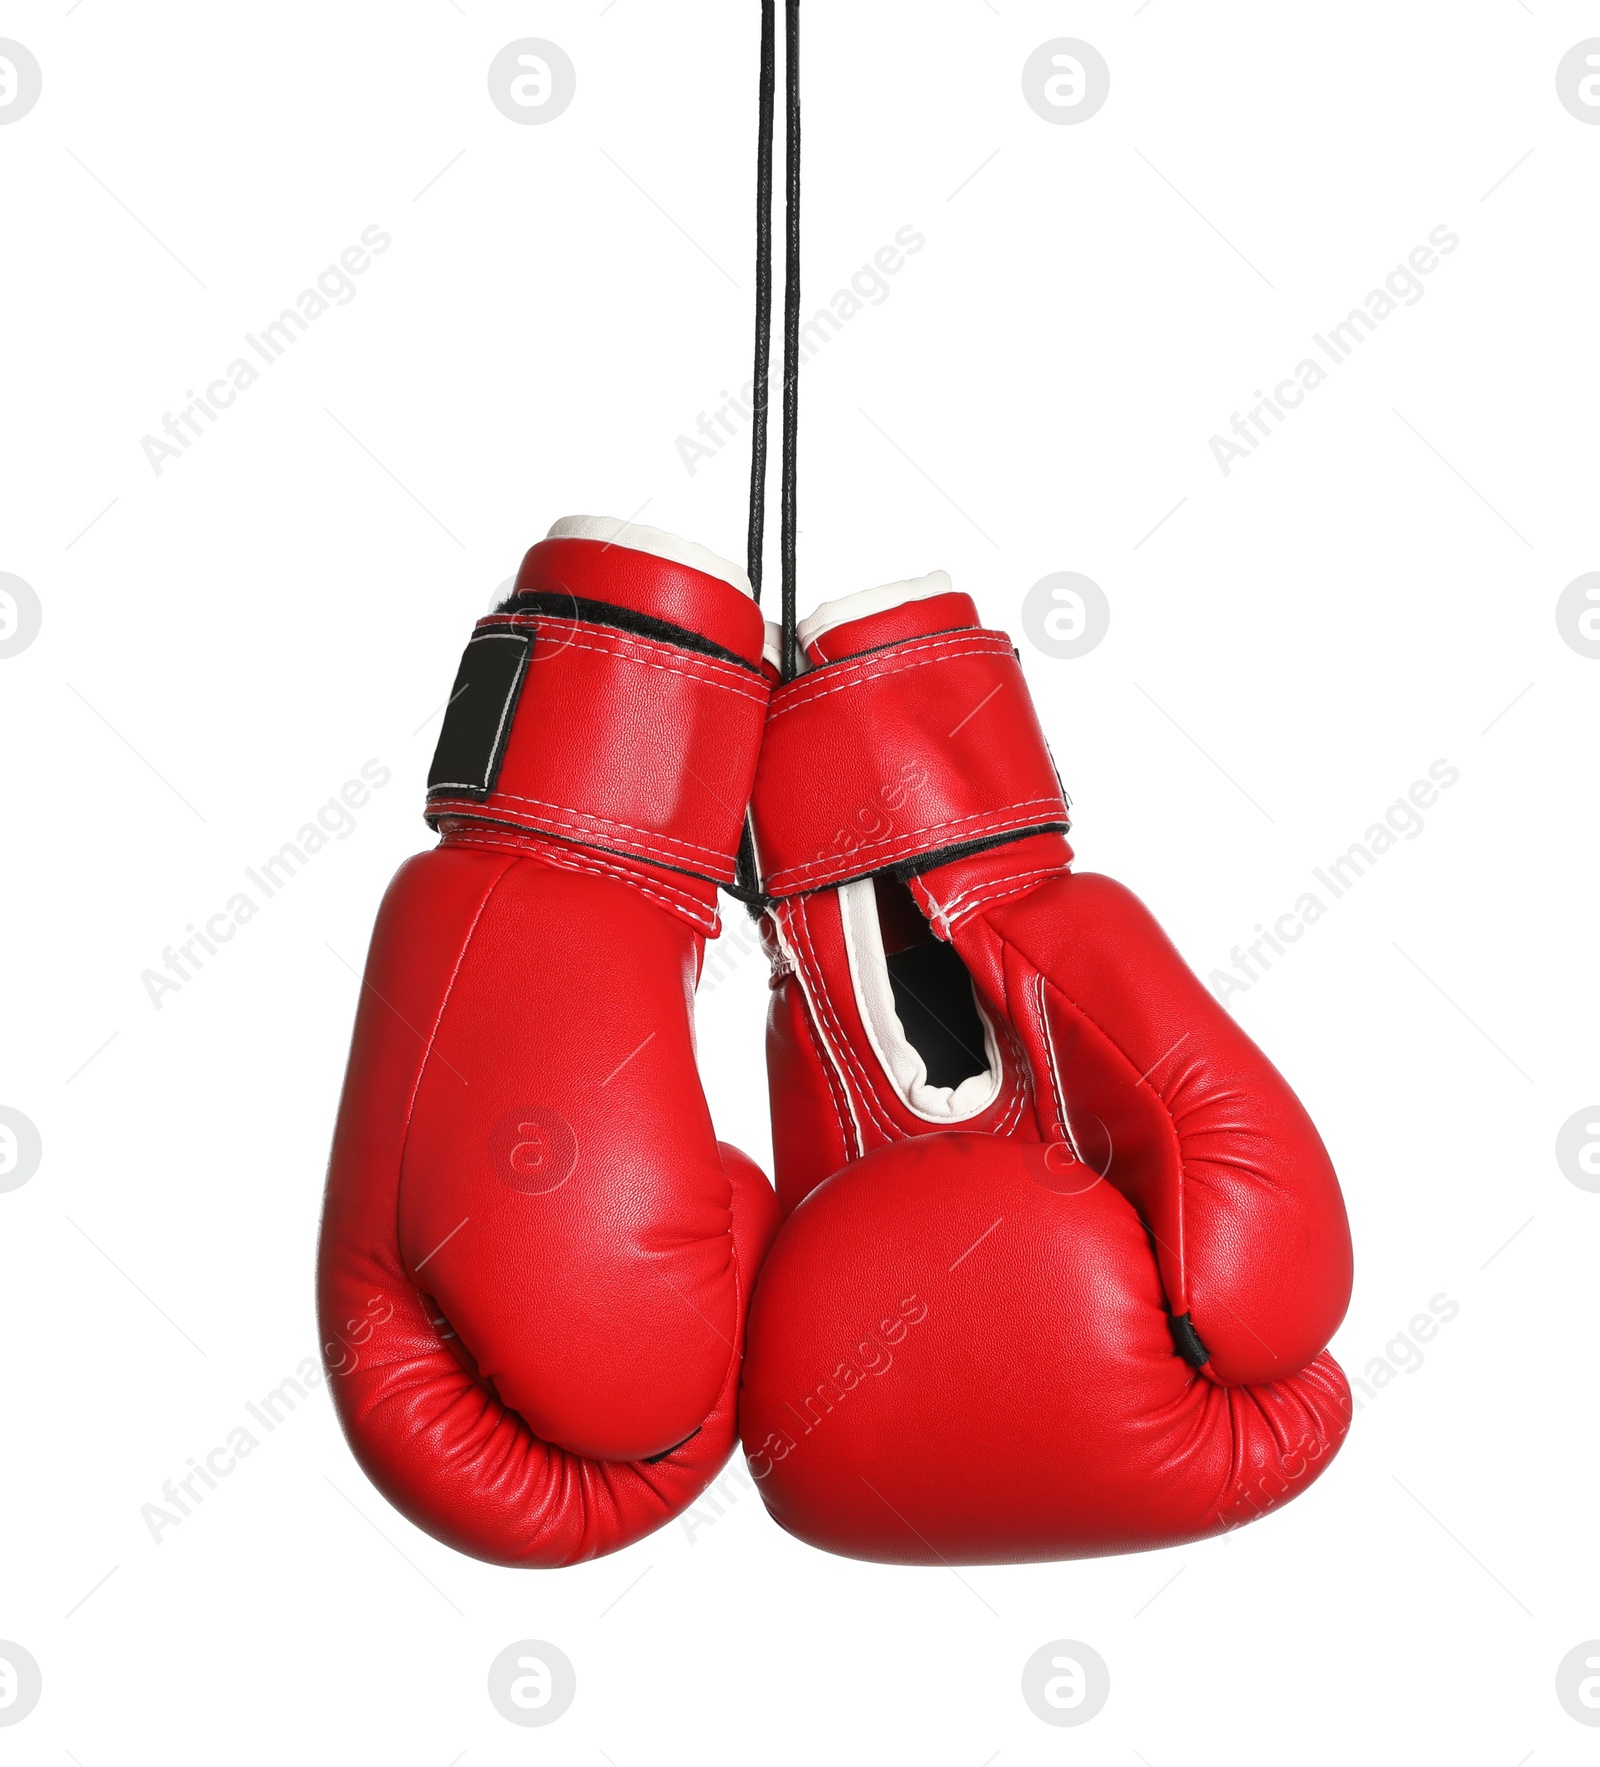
x,y
591,734
893,758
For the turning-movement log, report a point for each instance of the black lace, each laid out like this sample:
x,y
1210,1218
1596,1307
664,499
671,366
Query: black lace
x,y
791,320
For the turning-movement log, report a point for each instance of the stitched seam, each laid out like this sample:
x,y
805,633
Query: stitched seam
x,y
689,849
862,1078
977,907
695,910
815,990
704,672
697,917
740,1300
1022,1071
1182,1252
422,1068
614,642
876,854
943,652
1013,1058
1013,1114
829,1076
753,693
693,847
686,904
971,897
829,1022
784,921
561,861
857,1069
931,910
1057,1098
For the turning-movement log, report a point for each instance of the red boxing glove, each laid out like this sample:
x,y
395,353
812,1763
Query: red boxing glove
x,y
536,1258
1073,1295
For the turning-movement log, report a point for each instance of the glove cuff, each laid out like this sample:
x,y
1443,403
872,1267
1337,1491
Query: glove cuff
x,y
900,758
615,701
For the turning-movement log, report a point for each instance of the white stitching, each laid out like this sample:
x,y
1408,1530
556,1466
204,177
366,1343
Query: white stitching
x,y
931,911
831,1079
574,862
1182,1254
877,666
587,829
1019,1066
962,903
497,748
978,907
1057,1097
961,898
707,678
786,912
887,663
696,911
1014,1111
706,671
821,996
579,862
876,854
588,817
862,1078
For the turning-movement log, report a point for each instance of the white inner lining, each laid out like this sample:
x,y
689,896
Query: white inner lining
x,y
853,607
905,1068
652,540
870,601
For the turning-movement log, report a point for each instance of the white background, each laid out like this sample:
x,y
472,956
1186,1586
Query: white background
x,y
229,641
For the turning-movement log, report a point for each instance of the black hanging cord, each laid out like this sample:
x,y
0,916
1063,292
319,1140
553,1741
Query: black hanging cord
x,y
762,389
791,318
747,884
791,352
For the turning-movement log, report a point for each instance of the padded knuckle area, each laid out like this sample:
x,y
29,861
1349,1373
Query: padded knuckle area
x,y
1174,1104
883,1319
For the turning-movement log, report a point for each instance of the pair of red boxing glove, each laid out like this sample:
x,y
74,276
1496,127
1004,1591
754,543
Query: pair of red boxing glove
x,y
1059,1249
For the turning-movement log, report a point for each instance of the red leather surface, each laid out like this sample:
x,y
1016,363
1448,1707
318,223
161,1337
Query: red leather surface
x,y
536,1258
499,1352
627,744
911,619
692,899
925,745
1178,1174
1173,1104
956,1357
818,1120
590,570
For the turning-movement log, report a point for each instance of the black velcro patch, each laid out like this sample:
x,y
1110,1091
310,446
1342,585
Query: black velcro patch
x,y
477,721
